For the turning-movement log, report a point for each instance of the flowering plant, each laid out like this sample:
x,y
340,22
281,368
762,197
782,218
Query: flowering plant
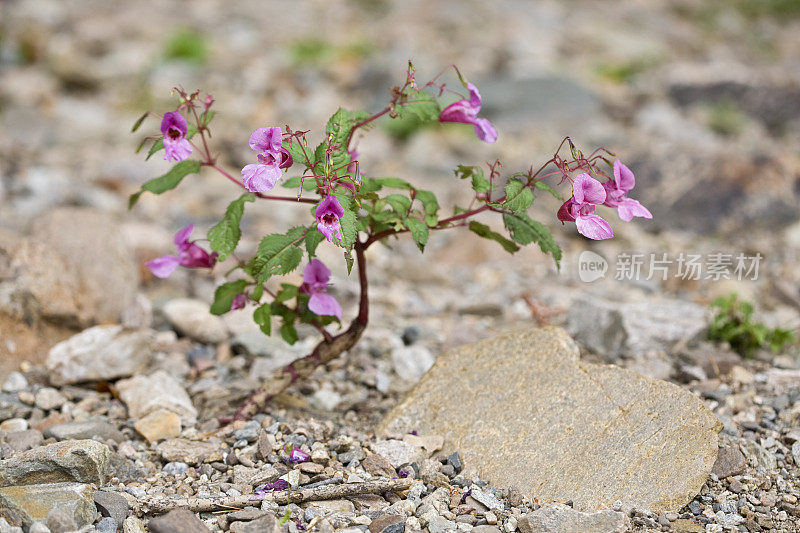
x,y
353,211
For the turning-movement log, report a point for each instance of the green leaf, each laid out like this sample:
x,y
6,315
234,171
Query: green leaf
x,y
309,184
159,144
224,237
431,206
421,105
278,254
519,197
419,232
263,317
258,292
341,124
479,182
224,295
313,238
139,121
484,231
286,292
399,203
348,222
525,230
295,148
206,118
348,258
289,333
168,181
375,184
548,188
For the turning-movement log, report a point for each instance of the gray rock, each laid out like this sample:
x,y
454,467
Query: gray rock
x,y
265,524
107,525
558,428
100,353
36,527
146,394
611,328
15,382
440,524
61,521
84,461
486,498
411,362
26,504
14,424
730,462
193,319
49,398
248,432
796,452
175,468
88,429
19,441
177,521
559,518
397,452
388,524
132,525
189,451
761,456
112,505
11,407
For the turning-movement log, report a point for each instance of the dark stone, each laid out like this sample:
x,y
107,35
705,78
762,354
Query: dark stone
x,y
454,460
730,462
178,521
112,505
388,524
377,465
410,335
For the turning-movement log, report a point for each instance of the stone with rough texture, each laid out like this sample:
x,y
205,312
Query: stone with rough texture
x,y
189,451
177,521
25,504
730,461
100,353
265,524
86,429
193,319
610,328
397,452
388,524
159,425
146,394
83,461
558,428
559,518
112,505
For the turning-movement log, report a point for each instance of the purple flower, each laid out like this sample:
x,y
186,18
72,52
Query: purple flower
x,y
466,112
587,193
258,494
239,301
174,128
296,455
315,281
617,194
403,473
262,176
329,211
189,255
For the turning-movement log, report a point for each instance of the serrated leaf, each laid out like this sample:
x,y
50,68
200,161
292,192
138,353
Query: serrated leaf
x,y
295,148
399,203
421,105
224,295
548,188
309,184
139,121
419,232
313,239
159,144
289,333
519,197
263,317
479,182
348,258
278,254
525,230
168,181
431,206
484,231
286,292
341,124
348,222
224,237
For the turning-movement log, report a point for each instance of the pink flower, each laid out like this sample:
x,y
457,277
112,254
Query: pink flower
x,y
315,282
466,112
262,176
189,255
587,193
239,301
617,194
174,128
329,211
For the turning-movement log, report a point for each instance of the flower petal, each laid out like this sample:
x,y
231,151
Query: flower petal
x,y
176,150
173,119
316,273
239,301
163,266
586,189
461,112
623,176
629,208
260,178
264,139
565,211
329,204
485,131
474,97
593,227
182,237
322,303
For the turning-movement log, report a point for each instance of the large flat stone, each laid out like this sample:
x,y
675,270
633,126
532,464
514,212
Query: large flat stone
x,y
525,412
84,461
26,504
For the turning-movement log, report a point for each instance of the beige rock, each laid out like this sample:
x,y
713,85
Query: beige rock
x,y
189,451
193,319
526,413
158,391
84,461
159,425
25,504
